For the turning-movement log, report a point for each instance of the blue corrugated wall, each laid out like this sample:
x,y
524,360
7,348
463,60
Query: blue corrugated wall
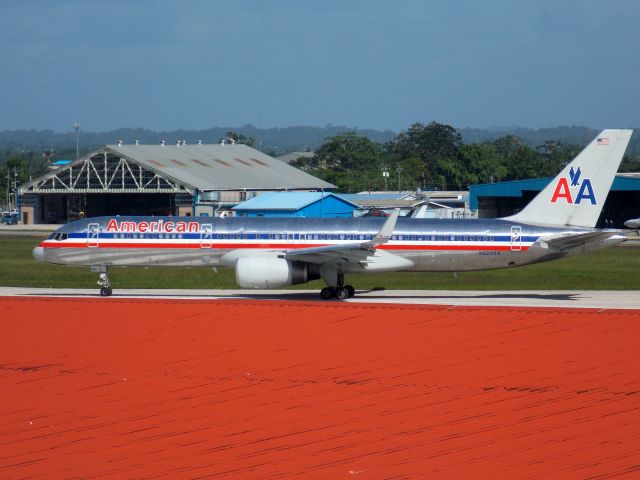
x,y
516,187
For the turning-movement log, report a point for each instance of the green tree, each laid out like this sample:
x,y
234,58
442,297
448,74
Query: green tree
x,y
437,147
507,147
482,163
428,141
239,138
630,163
13,169
556,155
520,160
349,161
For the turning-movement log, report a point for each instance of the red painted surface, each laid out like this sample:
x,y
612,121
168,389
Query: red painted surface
x,y
113,388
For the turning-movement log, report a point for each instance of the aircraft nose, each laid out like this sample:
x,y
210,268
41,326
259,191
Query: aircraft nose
x,y
38,254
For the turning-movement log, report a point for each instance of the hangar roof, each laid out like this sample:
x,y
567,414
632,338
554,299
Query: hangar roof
x,y
220,167
174,168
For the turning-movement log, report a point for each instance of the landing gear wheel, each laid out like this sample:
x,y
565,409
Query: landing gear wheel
x,y
342,293
105,285
106,292
350,290
327,293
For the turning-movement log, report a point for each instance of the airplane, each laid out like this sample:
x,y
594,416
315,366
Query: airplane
x,y
277,252
633,223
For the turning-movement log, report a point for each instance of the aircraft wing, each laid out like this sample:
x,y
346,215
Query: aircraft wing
x,y
349,252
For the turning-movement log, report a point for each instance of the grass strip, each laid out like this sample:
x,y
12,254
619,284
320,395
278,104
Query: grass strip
x,y
616,268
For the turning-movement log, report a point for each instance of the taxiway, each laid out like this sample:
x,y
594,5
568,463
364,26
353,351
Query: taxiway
x,y
598,299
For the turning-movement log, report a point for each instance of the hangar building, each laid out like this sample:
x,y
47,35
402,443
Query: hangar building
x,y
158,180
296,204
506,198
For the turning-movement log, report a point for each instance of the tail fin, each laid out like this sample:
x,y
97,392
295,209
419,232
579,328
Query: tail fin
x,y
575,197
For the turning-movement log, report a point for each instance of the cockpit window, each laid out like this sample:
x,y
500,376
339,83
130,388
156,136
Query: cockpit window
x,y
57,236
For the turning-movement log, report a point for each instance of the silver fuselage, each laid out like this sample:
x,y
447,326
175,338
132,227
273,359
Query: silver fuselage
x,y
429,244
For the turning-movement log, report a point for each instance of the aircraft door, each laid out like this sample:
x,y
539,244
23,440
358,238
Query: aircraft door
x,y
206,235
516,238
93,235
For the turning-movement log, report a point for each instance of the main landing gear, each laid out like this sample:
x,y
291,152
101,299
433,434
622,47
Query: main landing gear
x,y
105,285
335,286
341,293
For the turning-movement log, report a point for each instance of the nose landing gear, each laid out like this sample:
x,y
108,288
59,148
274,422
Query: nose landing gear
x,y
105,285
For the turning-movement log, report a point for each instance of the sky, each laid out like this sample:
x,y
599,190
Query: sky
x,y
382,64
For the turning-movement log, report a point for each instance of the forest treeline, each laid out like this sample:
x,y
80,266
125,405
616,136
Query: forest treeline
x,y
435,157
426,156
277,141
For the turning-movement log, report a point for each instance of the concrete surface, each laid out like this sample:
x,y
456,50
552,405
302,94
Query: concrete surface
x,y
600,299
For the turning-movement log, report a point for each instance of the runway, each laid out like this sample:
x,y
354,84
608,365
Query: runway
x,y
599,299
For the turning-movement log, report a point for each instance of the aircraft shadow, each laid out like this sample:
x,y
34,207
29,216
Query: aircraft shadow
x,y
560,297
314,296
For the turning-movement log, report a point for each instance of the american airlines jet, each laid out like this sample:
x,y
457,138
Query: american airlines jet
x,y
272,253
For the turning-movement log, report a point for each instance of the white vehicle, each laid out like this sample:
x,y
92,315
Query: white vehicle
x,y
633,223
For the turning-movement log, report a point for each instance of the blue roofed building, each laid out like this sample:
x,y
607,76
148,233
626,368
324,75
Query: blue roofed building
x,y
296,204
59,163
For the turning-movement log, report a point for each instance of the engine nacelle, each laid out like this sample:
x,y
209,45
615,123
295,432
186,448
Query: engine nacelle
x,y
263,271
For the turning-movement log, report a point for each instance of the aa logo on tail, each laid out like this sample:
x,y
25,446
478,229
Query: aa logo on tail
x,y
565,192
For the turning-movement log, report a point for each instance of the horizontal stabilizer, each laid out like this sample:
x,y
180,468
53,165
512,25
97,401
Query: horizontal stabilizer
x,y
567,241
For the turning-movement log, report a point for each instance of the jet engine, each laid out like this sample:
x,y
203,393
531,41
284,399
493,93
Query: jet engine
x,y
262,271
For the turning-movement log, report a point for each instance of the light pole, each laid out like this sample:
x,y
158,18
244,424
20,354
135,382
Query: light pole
x,y
8,205
77,127
385,174
16,182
